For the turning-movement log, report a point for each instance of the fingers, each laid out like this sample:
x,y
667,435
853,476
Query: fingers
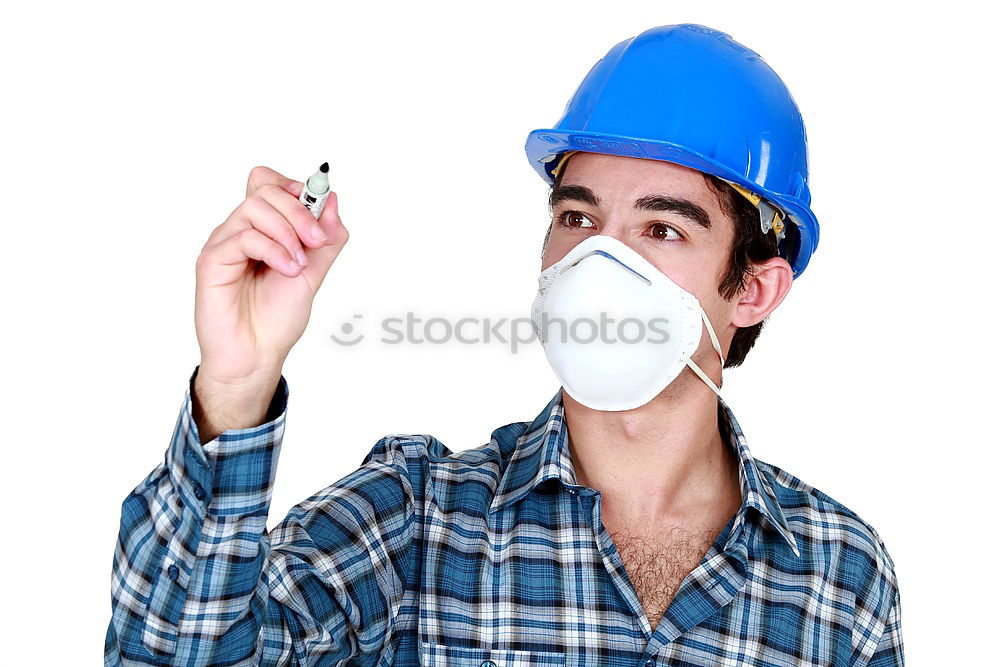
x,y
298,216
278,214
253,244
272,226
260,176
262,216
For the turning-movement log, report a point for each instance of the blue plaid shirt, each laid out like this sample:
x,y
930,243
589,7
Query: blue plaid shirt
x,y
488,557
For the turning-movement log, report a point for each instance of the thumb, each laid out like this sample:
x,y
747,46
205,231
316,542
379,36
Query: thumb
x,y
320,259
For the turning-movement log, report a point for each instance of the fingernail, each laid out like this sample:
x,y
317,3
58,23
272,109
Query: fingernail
x,y
294,268
318,234
301,258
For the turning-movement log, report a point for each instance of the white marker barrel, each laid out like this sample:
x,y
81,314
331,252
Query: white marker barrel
x,y
316,190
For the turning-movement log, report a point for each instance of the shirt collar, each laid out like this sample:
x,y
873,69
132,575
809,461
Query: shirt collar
x,y
542,453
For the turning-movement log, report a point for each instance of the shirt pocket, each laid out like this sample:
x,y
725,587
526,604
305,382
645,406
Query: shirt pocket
x,y
441,655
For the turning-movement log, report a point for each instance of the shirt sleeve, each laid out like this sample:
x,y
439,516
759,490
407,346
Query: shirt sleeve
x,y
197,579
890,648
877,632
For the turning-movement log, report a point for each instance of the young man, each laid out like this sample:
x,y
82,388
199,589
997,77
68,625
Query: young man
x,y
627,524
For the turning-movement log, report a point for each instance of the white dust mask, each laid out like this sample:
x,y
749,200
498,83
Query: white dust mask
x,y
615,329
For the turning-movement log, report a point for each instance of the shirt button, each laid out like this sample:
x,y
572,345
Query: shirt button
x,y
488,663
172,573
648,663
199,492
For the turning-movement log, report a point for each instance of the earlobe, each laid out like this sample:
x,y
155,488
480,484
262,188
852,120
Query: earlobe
x,y
765,291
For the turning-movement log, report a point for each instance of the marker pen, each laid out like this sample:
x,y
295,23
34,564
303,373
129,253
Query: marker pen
x,y
316,190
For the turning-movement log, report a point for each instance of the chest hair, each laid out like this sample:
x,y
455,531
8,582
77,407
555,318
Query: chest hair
x,y
657,563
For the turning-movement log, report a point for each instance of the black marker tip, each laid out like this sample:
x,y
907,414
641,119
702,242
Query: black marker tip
x,y
325,167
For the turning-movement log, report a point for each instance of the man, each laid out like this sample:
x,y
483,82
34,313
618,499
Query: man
x,y
627,524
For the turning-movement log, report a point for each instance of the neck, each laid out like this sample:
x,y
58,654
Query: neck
x,y
664,463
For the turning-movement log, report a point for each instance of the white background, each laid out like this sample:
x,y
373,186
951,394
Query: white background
x,y
127,134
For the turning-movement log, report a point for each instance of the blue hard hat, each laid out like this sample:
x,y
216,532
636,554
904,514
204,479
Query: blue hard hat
x,y
693,96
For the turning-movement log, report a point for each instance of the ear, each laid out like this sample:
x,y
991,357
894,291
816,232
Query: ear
x,y
765,290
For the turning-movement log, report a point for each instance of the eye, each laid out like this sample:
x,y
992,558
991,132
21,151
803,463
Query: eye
x,y
575,219
664,232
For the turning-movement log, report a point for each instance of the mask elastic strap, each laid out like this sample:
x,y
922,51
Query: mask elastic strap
x,y
718,348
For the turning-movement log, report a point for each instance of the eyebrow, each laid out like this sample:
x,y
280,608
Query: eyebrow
x,y
684,207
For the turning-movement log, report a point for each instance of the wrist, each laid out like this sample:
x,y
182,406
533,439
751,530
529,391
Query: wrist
x,y
245,383
225,403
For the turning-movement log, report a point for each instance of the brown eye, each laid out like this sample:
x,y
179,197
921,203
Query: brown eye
x,y
576,219
663,232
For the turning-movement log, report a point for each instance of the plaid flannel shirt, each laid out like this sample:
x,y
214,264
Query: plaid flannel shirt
x,y
487,557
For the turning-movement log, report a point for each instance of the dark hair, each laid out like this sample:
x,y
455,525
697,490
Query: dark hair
x,y
749,247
